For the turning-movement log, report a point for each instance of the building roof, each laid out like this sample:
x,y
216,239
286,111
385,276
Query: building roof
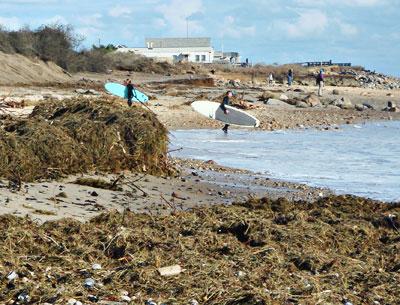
x,y
178,42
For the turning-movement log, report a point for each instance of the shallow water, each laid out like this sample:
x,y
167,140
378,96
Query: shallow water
x,y
362,160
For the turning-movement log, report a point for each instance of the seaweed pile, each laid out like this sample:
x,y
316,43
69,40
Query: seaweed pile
x,y
80,135
258,252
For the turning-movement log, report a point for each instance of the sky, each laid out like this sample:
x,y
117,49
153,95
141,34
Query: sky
x,y
363,32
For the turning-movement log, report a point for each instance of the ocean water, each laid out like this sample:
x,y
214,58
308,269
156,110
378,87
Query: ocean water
x,y
363,160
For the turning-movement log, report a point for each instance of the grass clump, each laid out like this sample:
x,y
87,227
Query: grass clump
x,y
80,135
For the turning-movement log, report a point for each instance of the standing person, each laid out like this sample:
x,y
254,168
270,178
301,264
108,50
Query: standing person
x,y
271,79
320,81
130,90
224,103
290,76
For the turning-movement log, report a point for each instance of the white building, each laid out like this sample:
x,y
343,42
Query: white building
x,y
196,50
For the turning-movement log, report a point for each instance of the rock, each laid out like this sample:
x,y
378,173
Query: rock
x,y
62,195
298,90
234,83
344,103
266,95
301,104
335,92
359,107
369,106
333,107
273,102
283,97
94,194
312,100
170,270
250,99
87,91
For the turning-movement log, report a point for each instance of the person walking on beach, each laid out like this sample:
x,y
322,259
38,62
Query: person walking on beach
x,y
320,82
290,76
224,103
130,90
271,79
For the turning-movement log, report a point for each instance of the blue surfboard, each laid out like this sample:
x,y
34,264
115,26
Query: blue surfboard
x,y
121,91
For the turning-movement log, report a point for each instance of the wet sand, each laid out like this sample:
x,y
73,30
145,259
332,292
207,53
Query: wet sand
x,y
198,184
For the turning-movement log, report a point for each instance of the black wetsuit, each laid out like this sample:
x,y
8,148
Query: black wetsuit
x,y
224,103
130,93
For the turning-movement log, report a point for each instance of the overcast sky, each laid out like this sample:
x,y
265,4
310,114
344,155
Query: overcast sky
x,y
364,32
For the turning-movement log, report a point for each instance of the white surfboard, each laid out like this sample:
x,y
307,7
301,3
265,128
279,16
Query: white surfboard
x,y
234,116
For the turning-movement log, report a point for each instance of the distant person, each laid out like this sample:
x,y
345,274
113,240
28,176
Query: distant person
x,y
224,103
130,92
290,77
320,81
271,79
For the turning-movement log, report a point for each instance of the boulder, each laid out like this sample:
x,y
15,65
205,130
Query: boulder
x,y
266,95
283,97
250,99
312,100
301,104
346,103
369,106
274,102
335,92
359,107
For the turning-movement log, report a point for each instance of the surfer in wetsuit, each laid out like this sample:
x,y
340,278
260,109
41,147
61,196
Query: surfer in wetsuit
x,y
130,89
224,103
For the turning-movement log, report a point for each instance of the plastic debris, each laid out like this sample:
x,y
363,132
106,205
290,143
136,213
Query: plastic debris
x,y
193,302
96,267
170,271
93,298
12,276
23,297
150,302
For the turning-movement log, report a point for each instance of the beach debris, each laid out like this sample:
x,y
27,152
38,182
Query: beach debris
x,y
74,302
89,283
177,196
193,302
170,270
240,274
96,267
23,297
12,276
50,143
150,302
93,298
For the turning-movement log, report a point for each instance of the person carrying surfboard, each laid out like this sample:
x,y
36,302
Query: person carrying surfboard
x,y
224,103
130,89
